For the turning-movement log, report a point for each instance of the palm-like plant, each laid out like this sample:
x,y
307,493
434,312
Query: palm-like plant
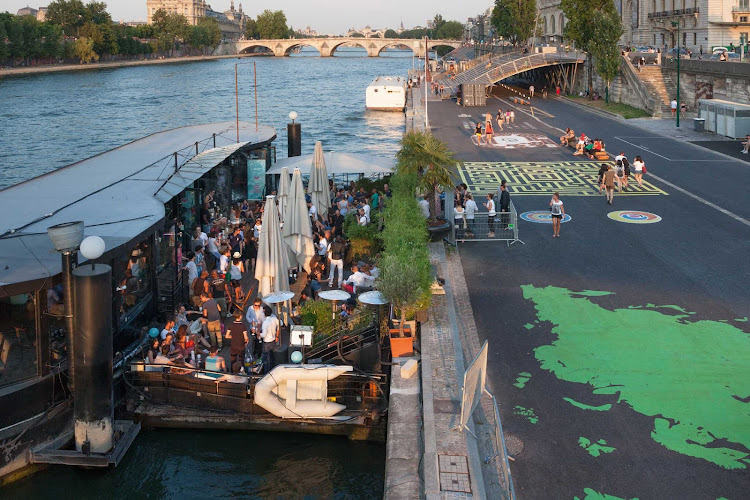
x,y
429,157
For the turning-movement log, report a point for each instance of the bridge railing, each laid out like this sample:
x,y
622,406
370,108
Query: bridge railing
x,y
531,61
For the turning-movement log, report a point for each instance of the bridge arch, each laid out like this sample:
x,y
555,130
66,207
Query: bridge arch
x,y
355,43
440,48
253,48
291,48
396,44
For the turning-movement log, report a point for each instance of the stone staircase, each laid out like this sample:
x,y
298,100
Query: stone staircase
x,y
659,85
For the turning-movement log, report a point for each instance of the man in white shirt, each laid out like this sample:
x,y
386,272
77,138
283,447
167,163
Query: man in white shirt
x,y
203,236
357,279
312,212
424,204
470,208
224,261
270,336
366,208
192,270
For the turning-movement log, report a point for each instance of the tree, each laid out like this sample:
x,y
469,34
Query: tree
x,y
251,30
451,30
4,52
356,34
70,15
429,157
580,28
405,278
514,20
96,12
390,34
52,41
169,28
607,32
272,25
213,32
83,49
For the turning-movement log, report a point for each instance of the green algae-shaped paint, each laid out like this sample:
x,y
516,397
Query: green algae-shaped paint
x,y
594,495
692,377
528,326
521,380
595,449
582,406
528,413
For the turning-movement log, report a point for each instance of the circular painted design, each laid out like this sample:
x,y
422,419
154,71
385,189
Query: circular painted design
x,y
542,217
634,217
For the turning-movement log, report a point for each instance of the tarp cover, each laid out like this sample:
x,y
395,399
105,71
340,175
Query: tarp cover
x,y
338,164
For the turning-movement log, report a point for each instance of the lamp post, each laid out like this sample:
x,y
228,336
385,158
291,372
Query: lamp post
x,y
677,113
66,238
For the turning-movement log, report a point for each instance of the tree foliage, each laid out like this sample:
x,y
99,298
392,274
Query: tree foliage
x,y
170,28
514,20
272,25
251,29
606,54
83,48
580,27
389,33
430,159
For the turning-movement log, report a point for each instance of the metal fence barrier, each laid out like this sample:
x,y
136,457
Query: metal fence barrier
x,y
501,227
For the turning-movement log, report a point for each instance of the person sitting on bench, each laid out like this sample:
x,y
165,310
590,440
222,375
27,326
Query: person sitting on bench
x,y
581,144
569,136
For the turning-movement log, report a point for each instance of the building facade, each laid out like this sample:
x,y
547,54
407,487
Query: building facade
x,y
702,23
231,22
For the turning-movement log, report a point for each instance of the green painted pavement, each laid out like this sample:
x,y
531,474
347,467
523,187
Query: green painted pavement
x,y
588,407
521,380
527,413
594,495
693,377
595,449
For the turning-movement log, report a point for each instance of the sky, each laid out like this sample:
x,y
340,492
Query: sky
x,y
325,16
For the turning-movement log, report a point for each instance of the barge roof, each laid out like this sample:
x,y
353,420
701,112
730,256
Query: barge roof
x,y
119,194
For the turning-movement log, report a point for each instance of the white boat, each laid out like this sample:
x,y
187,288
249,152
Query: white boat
x,y
386,93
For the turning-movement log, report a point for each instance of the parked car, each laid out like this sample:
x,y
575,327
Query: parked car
x,y
731,56
684,54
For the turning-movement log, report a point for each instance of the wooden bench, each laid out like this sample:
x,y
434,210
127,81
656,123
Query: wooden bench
x,y
298,286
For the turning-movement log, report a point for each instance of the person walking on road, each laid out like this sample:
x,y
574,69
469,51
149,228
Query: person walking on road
x,y
600,176
638,169
488,132
557,211
531,91
619,174
500,119
609,184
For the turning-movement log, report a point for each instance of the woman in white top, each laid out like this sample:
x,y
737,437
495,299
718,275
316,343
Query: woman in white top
x,y
459,218
236,268
557,211
490,206
638,170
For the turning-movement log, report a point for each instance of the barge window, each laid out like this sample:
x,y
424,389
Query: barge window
x,y
18,356
134,281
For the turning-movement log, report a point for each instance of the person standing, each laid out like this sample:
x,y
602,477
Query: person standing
x,y
531,91
504,206
619,174
638,168
212,314
500,119
557,211
470,208
478,133
338,251
237,332
557,91
219,291
488,132
609,184
270,336
490,206
673,107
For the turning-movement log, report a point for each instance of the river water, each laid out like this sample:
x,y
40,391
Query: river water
x,y
51,120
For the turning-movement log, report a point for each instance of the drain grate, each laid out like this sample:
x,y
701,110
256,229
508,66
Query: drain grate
x,y
454,473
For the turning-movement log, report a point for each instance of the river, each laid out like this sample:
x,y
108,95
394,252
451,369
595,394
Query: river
x,y
51,120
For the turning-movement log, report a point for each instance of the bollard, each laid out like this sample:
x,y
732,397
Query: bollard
x,y
93,407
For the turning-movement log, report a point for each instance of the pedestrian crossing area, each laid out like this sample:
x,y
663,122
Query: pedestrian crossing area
x,y
569,178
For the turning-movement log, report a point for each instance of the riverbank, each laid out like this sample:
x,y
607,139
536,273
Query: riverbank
x,y
56,68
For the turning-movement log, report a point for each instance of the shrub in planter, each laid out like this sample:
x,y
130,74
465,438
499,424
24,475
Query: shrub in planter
x,y
318,314
405,277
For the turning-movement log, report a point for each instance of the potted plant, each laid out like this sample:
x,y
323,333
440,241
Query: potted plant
x,y
430,159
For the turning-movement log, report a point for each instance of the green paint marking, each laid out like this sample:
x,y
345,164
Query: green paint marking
x,y
528,326
588,407
521,380
594,495
593,293
742,320
595,449
526,412
692,377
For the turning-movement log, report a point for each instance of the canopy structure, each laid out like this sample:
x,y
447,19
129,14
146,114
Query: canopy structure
x,y
320,193
338,164
119,194
272,261
297,230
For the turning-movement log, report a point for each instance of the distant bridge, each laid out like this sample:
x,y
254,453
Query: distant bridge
x,y
327,46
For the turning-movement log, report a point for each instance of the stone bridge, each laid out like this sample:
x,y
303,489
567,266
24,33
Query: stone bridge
x,y
327,46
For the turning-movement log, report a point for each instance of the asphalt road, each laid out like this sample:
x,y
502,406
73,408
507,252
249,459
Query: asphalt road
x,y
670,389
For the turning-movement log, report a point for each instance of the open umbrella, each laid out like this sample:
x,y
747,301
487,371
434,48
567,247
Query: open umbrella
x,y
272,262
297,232
318,185
283,191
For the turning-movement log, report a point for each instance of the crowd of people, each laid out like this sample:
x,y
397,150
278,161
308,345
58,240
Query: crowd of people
x,y
219,267
465,209
486,131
